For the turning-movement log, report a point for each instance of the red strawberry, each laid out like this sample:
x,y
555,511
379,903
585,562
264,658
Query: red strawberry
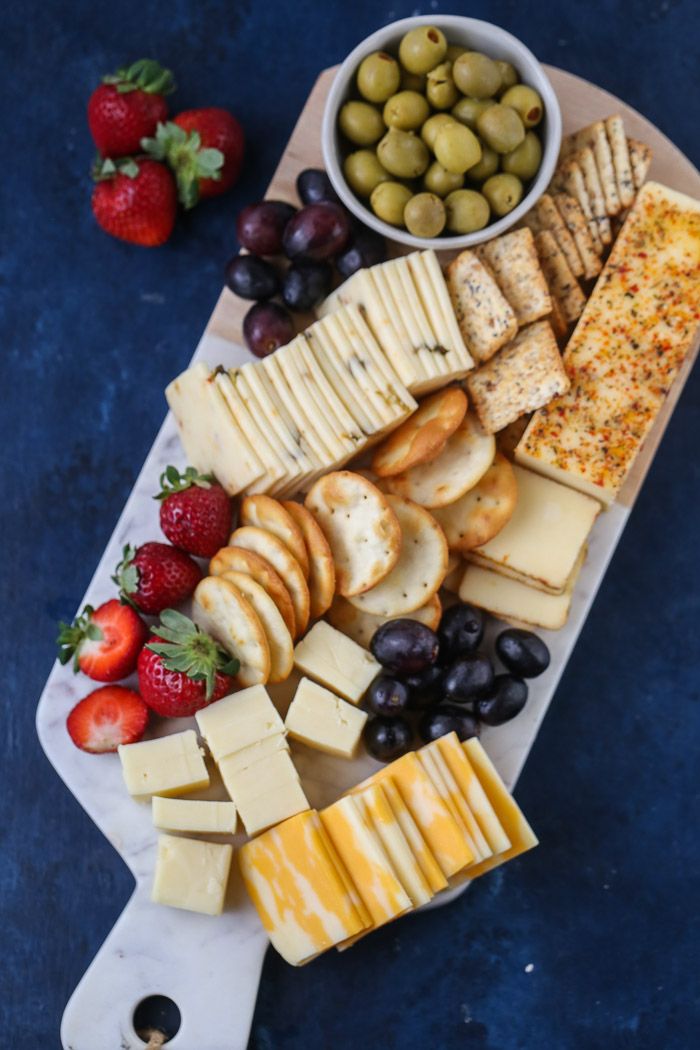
x,y
105,642
135,201
156,576
183,669
195,512
204,148
128,106
106,718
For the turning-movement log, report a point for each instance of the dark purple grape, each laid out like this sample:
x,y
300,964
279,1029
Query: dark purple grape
x,y
523,652
404,646
469,678
267,326
251,277
387,696
506,700
314,186
260,226
387,738
306,283
318,231
461,630
447,719
425,688
366,248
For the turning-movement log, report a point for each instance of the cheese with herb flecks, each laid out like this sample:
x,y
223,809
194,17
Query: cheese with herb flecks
x,y
628,346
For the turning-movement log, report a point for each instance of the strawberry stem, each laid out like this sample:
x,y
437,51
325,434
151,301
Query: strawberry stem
x,y
185,648
187,158
72,635
143,75
126,577
171,480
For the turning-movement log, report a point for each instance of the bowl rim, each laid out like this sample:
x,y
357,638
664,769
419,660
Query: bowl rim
x,y
375,41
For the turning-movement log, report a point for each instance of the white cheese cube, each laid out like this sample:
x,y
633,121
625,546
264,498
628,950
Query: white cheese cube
x,y
238,720
276,773
253,753
170,765
187,814
333,659
192,874
322,720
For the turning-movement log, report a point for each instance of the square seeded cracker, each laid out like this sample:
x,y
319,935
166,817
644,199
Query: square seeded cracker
x,y
513,261
569,179
563,286
525,375
640,159
575,221
486,319
586,160
595,138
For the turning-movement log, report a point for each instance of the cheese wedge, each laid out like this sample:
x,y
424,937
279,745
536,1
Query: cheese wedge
x,y
637,328
185,814
210,435
271,461
323,721
191,874
473,793
169,765
235,721
542,542
301,899
330,657
380,816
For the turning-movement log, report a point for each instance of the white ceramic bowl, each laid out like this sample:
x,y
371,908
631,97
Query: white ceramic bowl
x,y
478,36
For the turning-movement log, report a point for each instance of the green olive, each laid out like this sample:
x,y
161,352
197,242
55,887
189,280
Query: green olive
x,y
457,148
431,127
424,215
467,110
406,110
487,166
503,192
441,181
525,160
412,81
467,211
501,128
363,171
454,51
378,77
509,75
476,75
388,201
440,89
403,154
422,48
526,103
361,123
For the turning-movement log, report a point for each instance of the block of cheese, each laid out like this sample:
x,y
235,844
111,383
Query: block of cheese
x,y
636,329
186,814
434,766
300,896
170,765
191,874
238,720
542,542
513,601
265,793
210,435
330,657
322,720
474,795
253,753
378,813
362,853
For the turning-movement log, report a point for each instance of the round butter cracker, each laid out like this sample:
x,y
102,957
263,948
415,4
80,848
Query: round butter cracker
x,y
264,512
220,609
321,567
360,625
481,513
423,435
283,562
237,559
278,637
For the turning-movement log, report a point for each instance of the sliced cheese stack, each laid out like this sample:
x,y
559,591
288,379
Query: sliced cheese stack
x,y
431,819
276,425
242,731
406,305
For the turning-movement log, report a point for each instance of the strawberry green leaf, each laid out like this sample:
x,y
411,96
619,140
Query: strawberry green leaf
x,y
171,480
126,577
72,635
186,157
143,75
189,650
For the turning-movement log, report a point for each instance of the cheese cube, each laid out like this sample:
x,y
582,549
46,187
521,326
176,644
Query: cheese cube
x,y
446,786
541,543
253,753
474,795
265,793
322,720
298,892
186,814
191,874
170,765
379,815
333,659
512,600
234,722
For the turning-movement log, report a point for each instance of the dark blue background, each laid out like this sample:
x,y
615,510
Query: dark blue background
x,y
91,332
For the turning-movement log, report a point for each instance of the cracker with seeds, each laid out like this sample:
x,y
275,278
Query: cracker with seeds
x,y
562,283
219,608
573,182
586,159
512,259
615,130
575,221
547,217
558,321
483,511
525,375
640,160
486,319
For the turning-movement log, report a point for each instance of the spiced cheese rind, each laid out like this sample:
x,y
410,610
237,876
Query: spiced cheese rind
x,y
628,346
513,261
523,376
486,319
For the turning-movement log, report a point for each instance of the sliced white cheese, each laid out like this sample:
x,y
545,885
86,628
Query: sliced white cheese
x,y
293,461
513,601
194,815
347,428
431,351
303,383
274,467
342,381
292,403
428,275
401,321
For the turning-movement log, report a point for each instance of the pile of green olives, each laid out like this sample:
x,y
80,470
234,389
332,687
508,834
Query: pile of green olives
x,y
440,138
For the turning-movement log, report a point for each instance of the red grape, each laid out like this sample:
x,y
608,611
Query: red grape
x,y
318,231
260,226
267,326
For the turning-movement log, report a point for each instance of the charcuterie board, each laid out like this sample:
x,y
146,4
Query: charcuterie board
x,y
211,968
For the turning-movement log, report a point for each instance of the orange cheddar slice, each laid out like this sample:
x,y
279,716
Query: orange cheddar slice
x,y
380,816
432,758
428,865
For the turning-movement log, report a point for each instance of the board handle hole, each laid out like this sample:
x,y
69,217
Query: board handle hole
x,y
157,1013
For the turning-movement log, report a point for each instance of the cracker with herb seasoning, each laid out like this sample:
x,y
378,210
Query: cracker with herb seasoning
x,y
640,160
575,222
615,130
486,319
586,159
569,178
545,216
512,259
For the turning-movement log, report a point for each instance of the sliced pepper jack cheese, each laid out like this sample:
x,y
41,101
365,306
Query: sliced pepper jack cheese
x,y
291,401
275,419
320,719
271,461
399,277
301,898
170,765
186,814
456,759
263,434
235,721
333,659
379,814
430,284
346,425
426,861
388,281
301,379
636,329
210,435
475,835
455,804
191,874
362,853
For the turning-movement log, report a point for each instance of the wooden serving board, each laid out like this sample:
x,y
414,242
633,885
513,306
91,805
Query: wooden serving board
x,y
211,967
